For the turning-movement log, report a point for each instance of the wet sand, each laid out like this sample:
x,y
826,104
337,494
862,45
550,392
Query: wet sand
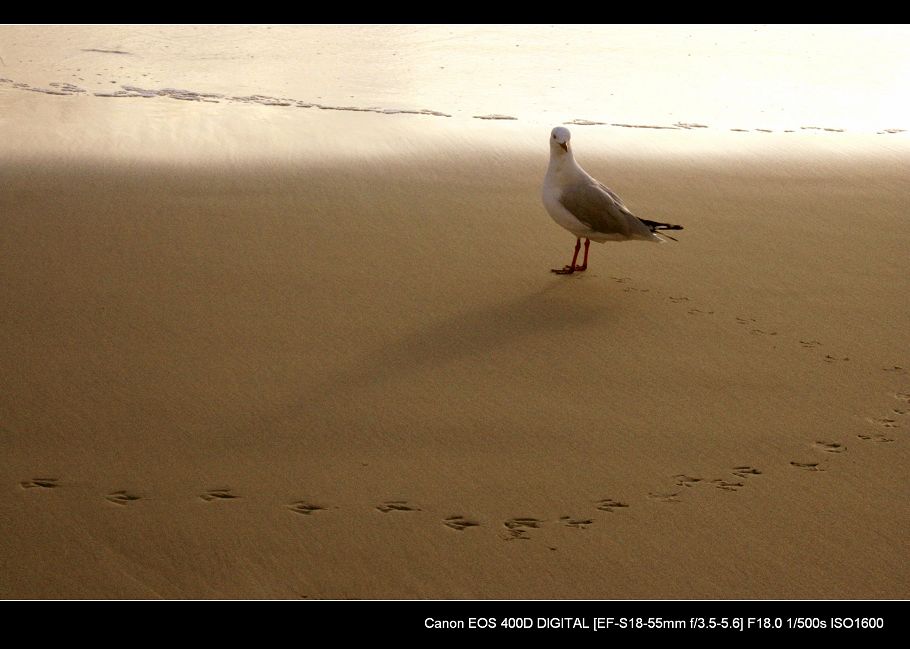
x,y
277,318
331,375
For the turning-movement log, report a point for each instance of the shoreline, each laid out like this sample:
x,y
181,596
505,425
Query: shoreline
x,y
65,89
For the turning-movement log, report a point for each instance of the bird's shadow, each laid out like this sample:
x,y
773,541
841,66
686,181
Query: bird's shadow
x,y
559,306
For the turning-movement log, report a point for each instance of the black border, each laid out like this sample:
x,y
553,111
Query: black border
x,y
150,620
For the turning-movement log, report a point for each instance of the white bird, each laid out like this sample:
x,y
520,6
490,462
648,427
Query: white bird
x,y
586,207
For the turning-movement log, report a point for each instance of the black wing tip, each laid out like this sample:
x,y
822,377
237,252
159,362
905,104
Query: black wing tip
x,y
657,225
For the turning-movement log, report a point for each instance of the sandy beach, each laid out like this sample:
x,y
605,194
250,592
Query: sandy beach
x,y
319,354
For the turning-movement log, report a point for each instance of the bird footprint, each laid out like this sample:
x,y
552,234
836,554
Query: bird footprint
x,y
578,523
877,437
121,497
459,523
830,447
218,494
808,466
608,504
745,471
304,508
397,506
42,483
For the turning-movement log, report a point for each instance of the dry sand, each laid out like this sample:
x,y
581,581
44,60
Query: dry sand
x,y
354,377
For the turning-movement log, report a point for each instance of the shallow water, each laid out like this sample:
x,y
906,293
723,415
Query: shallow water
x,y
776,78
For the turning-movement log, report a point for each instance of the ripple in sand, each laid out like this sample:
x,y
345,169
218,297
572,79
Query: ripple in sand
x,y
48,91
664,128
585,122
821,128
93,49
180,94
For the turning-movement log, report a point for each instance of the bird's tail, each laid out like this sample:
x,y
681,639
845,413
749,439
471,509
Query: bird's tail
x,y
654,226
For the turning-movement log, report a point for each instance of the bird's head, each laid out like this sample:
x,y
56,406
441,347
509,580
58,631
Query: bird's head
x,y
559,139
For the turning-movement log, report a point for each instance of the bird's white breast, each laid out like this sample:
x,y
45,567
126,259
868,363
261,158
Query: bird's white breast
x,y
561,172
559,213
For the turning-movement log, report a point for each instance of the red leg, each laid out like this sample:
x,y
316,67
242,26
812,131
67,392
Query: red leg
x,y
568,270
584,264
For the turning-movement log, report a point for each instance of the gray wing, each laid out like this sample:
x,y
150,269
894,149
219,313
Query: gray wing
x,y
600,209
613,195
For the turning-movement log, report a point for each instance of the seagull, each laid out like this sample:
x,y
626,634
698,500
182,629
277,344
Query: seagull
x,y
586,207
